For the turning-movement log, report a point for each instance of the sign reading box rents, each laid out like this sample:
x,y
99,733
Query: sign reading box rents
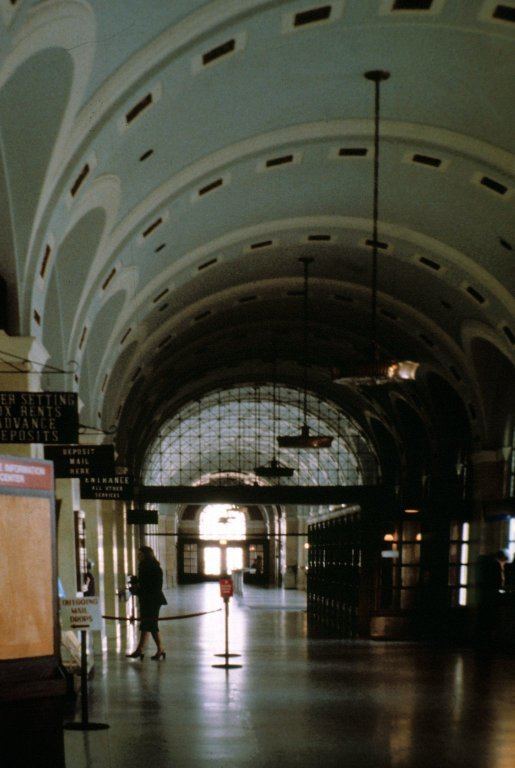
x,y
80,613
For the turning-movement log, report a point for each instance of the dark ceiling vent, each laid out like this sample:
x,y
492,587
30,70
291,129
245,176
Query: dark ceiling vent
x,y
319,237
160,295
279,161
79,180
445,304
146,155
37,317
202,315
262,244
76,379
504,12
210,187
509,334
472,411
160,247
207,264
476,295
247,298
44,262
218,52
352,151
412,5
455,373
163,307
342,297
427,340
155,224
494,185
138,108
430,263
125,335
505,244
311,16
389,314
295,293
83,337
434,162
135,374
378,243
102,389
108,279
164,342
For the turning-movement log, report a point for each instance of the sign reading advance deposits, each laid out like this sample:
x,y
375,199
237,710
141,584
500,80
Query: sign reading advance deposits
x,y
81,460
116,487
39,417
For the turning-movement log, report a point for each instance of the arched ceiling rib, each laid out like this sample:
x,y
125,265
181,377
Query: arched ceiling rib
x,y
232,166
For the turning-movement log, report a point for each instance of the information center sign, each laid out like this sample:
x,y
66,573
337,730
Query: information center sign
x,y
39,417
20,473
81,460
115,487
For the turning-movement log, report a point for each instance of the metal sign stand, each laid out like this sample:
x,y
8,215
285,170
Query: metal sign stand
x,y
227,591
85,724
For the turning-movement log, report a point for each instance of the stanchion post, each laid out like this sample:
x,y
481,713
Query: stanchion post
x,y
227,591
90,617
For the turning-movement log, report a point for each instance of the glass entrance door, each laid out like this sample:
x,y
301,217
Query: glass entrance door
x,y
212,561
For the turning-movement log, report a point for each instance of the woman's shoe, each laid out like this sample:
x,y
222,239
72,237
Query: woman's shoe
x,y
135,655
159,655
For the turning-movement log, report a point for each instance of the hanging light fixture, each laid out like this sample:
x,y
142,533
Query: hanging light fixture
x,y
375,370
274,468
305,439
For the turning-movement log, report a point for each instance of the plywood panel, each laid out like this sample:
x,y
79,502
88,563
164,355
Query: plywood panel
x,y
26,582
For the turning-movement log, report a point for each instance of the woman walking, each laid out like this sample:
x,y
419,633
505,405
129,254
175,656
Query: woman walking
x,y
149,589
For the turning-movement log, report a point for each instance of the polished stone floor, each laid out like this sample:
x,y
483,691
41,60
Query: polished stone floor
x,y
296,701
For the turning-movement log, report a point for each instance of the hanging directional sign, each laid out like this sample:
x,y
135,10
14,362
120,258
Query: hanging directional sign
x,y
81,460
115,487
142,517
39,417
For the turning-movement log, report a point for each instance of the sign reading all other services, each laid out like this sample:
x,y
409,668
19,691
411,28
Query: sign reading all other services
x,y
81,460
39,417
80,613
117,487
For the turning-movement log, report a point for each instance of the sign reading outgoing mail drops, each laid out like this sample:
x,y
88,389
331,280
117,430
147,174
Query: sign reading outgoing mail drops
x,y
80,613
39,417
81,460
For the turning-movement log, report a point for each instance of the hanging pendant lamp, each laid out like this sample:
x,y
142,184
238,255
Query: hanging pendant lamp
x,y
305,439
274,468
375,370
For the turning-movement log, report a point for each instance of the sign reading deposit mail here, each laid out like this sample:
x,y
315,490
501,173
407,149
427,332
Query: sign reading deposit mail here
x,y
80,613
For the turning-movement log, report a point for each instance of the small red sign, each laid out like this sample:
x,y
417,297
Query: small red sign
x,y
226,587
17,472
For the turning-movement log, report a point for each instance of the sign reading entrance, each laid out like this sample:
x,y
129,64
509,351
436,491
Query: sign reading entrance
x,y
142,517
226,588
81,460
39,417
80,613
116,487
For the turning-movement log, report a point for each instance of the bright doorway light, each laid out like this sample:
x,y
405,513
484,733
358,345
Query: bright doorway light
x,y
222,521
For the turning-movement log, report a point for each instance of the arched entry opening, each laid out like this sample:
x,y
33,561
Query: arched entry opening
x,y
217,539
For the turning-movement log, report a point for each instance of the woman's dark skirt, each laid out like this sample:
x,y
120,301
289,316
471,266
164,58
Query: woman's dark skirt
x,y
149,612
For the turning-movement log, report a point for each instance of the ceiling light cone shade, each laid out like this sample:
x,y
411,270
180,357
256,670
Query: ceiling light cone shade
x,y
305,440
372,374
274,469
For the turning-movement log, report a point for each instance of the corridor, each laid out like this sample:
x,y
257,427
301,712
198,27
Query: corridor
x,y
296,701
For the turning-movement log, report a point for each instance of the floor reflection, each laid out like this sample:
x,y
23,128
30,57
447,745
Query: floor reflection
x,y
296,701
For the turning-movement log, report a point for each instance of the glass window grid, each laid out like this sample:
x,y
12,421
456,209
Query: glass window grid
x,y
228,433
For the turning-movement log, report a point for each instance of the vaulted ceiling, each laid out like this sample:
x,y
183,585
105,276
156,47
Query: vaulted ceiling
x,y
164,166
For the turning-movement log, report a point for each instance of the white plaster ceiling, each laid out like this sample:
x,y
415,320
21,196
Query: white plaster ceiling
x,y
123,305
